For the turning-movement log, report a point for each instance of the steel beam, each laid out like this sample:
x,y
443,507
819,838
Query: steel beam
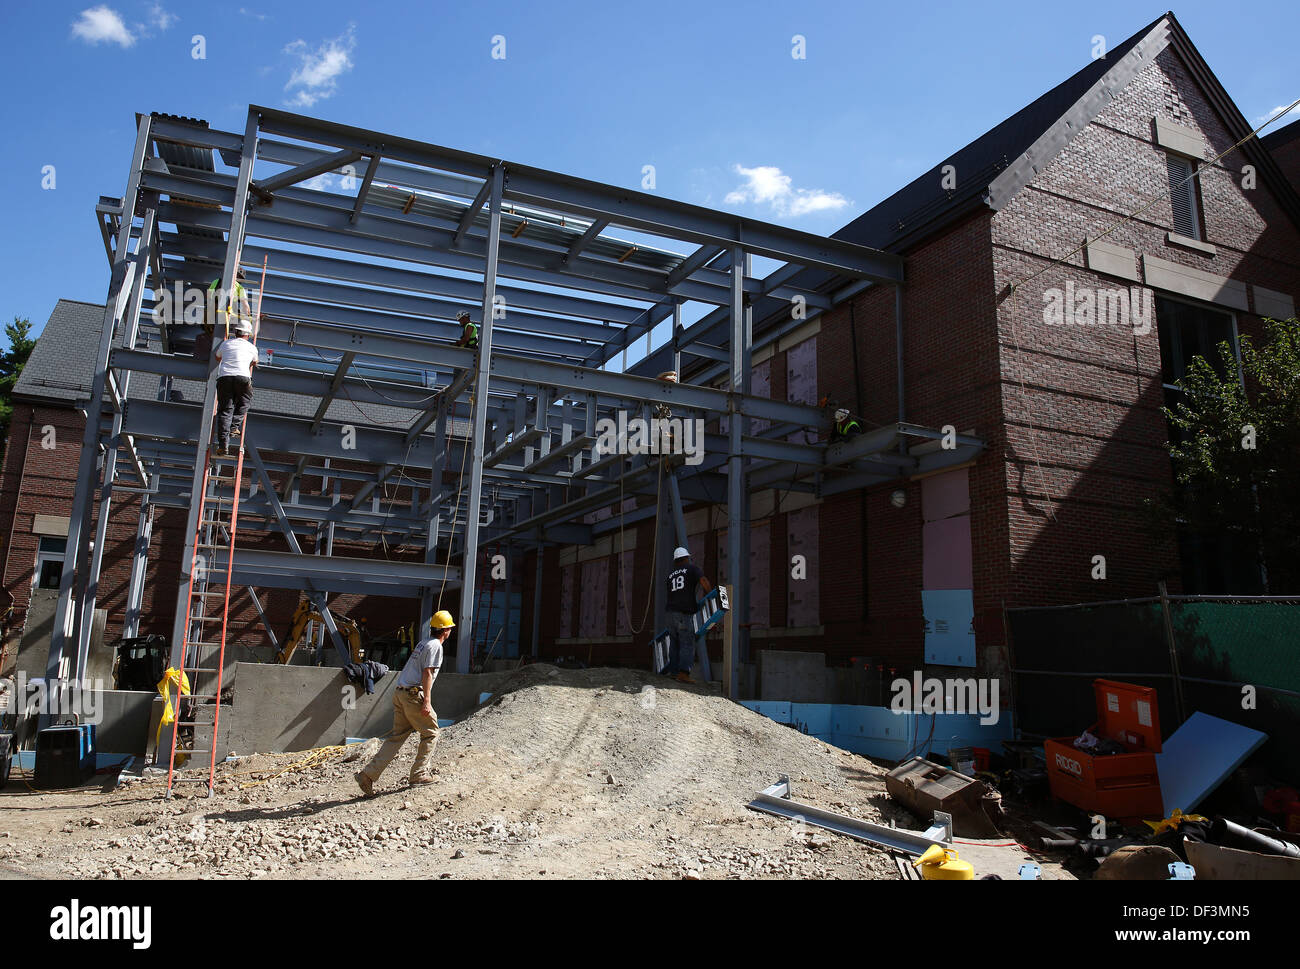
x,y
465,650
238,215
64,634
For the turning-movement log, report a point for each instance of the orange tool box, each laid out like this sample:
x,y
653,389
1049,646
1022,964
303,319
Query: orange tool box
x,y
1123,786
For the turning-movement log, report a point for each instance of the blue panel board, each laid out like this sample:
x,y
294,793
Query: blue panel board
x,y
949,638
1199,757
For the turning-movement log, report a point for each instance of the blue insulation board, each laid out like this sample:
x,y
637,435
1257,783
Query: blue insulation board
x,y
1199,757
880,732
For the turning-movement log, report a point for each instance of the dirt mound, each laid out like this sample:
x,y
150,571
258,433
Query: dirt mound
x,y
603,772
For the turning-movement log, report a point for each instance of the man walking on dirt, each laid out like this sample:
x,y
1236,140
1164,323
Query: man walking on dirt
x,y
682,582
413,708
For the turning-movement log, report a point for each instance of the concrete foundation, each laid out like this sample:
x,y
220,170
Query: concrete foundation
x,y
285,708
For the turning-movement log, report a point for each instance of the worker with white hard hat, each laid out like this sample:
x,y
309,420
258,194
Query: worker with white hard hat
x,y
683,581
413,708
236,359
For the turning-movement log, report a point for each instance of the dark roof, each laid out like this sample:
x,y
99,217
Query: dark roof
x,y
63,360
1282,136
923,203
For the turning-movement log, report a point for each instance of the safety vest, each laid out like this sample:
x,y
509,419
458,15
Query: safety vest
x,y
850,424
471,334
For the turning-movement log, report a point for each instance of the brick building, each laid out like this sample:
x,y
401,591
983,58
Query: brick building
x,y
1050,205
1076,440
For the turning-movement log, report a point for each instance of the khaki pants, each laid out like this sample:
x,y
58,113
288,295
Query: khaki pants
x,y
407,718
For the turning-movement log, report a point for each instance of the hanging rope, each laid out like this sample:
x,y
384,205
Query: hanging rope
x,y
654,554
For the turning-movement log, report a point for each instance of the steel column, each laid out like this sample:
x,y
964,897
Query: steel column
x,y
465,650
737,492
63,633
139,567
89,585
238,216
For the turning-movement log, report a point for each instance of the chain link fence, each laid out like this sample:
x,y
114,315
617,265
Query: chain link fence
x,y
1237,658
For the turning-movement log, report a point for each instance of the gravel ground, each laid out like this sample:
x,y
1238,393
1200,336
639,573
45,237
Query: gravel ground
x,y
565,773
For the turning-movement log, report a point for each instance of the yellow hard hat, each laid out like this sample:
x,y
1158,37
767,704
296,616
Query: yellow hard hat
x,y
441,620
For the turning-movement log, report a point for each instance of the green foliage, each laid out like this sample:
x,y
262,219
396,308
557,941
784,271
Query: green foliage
x,y
12,362
1233,480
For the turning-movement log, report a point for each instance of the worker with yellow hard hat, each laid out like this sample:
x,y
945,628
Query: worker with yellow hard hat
x,y
413,708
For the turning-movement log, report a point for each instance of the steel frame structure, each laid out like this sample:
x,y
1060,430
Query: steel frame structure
x,y
362,289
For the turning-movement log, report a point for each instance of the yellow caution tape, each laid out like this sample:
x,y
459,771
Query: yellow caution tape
x,y
172,677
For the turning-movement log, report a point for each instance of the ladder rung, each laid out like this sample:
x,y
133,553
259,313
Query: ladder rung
x,y
200,669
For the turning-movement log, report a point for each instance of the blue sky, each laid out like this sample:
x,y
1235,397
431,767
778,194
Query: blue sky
x,y
708,93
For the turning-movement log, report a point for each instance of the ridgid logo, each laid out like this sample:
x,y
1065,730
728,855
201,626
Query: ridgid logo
x,y
1088,306
102,923
659,435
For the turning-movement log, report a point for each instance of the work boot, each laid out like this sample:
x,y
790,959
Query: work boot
x,y
365,783
684,678
422,779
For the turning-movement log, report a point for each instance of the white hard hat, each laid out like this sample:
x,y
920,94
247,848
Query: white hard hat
x,y
841,414
681,553
244,328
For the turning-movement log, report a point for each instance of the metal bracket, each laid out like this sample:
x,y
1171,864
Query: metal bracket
x,y
1181,871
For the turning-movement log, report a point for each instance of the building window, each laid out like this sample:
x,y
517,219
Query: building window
x,y
1188,331
49,562
1182,196
1211,564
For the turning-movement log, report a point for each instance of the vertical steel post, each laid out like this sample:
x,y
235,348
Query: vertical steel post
x,y
737,490
238,216
139,566
441,439
63,634
89,587
464,648
537,600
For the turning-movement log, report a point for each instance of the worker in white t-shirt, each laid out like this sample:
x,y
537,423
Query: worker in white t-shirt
x,y
236,359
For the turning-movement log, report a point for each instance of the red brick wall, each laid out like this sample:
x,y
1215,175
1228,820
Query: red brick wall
x,y
1085,439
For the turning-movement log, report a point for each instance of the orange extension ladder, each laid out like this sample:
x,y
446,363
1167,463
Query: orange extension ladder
x,y
203,654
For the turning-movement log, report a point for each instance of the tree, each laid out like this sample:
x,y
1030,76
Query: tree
x,y
12,362
1235,447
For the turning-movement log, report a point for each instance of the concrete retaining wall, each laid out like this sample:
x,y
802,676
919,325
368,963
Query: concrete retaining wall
x,y
284,708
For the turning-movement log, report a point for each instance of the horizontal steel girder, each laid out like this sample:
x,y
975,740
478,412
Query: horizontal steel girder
x,y
594,200
333,573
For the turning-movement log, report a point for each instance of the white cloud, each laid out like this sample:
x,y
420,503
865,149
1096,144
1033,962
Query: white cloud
x,y
102,25
768,185
1292,114
161,18
318,71
252,13
320,183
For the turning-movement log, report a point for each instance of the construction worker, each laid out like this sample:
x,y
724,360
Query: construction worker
x,y
846,426
236,359
413,708
682,583
469,331
204,341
